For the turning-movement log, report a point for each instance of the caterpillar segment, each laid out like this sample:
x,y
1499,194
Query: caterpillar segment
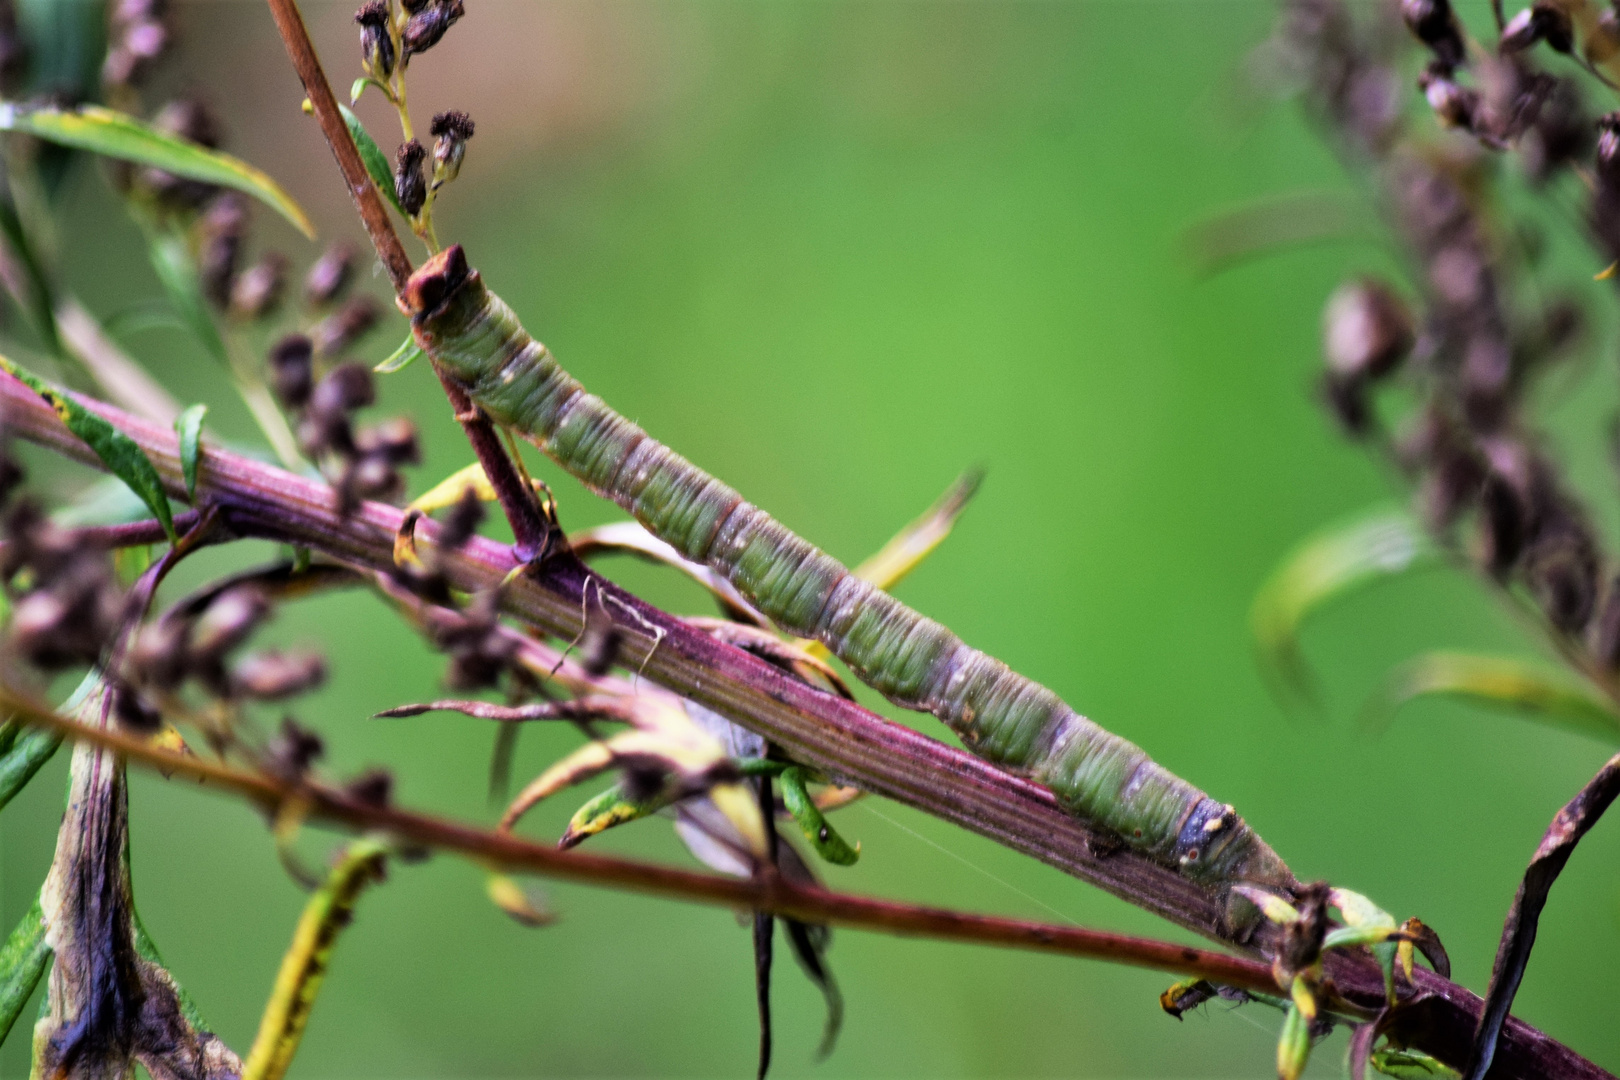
x,y
912,660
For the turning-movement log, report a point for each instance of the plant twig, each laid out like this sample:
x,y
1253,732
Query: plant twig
x,y
767,893
530,530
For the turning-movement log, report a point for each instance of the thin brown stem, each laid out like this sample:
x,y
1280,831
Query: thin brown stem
x,y
767,893
528,527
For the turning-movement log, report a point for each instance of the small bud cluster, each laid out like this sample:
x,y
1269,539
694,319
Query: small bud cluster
x,y
138,35
69,605
192,644
450,131
1484,332
361,464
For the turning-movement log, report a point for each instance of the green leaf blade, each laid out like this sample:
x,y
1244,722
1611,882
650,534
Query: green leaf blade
x,y
119,135
188,426
1533,689
382,174
26,755
172,261
23,959
1330,564
122,455
404,356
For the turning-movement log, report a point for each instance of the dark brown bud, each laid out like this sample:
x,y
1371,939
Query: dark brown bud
x,y
599,648
1454,105
1608,151
451,130
330,275
374,478
463,520
292,372
1606,630
1302,940
159,656
135,713
228,621
372,788
1504,522
224,226
410,178
427,26
1367,330
376,46
1540,22
346,326
1561,569
1434,24
393,441
413,6
271,676
293,750
1346,398
256,292
190,118
346,387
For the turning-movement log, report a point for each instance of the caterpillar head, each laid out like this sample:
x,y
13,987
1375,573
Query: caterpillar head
x,y
435,282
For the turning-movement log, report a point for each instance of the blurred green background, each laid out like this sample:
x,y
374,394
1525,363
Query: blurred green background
x,y
836,252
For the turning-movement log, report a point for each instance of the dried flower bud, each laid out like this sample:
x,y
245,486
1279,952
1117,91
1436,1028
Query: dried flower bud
x,y
135,713
228,621
376,45
1434,24
256,292
1504,522
427,26
292,372
190,118
451,130
463,520
346,387
1367,330
413,6
1346,398
224,227
393,441
1540,22
1561,569
410,178
293,750
271,676
373,788
330,275
1455,106
160,655
347,325
599,648
13,51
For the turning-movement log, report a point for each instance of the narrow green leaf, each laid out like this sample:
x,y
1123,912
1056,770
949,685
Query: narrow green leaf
x,y
122,456
119,135
188,425
1539,691
171,258
1333,562
1293,1045
1410,1065
382,174
402,358
822,836
23,959
27,754
612,807
41,299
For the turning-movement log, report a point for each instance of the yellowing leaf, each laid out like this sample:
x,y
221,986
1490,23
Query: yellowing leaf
x,y
1536,690
1326,566
119,135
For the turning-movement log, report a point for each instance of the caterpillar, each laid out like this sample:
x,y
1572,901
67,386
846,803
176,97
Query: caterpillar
x,y
912,660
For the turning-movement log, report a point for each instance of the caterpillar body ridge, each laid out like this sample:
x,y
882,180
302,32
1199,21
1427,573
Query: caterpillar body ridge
x,y
912,660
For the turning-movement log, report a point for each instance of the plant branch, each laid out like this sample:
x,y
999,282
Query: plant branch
x,y
837,737
529,528
771,893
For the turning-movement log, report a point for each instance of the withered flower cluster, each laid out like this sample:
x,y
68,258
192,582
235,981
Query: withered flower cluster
x,y
1483,332
361,464
66,603
138,35
192,643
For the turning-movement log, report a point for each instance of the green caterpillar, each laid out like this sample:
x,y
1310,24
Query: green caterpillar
x,y
912,660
